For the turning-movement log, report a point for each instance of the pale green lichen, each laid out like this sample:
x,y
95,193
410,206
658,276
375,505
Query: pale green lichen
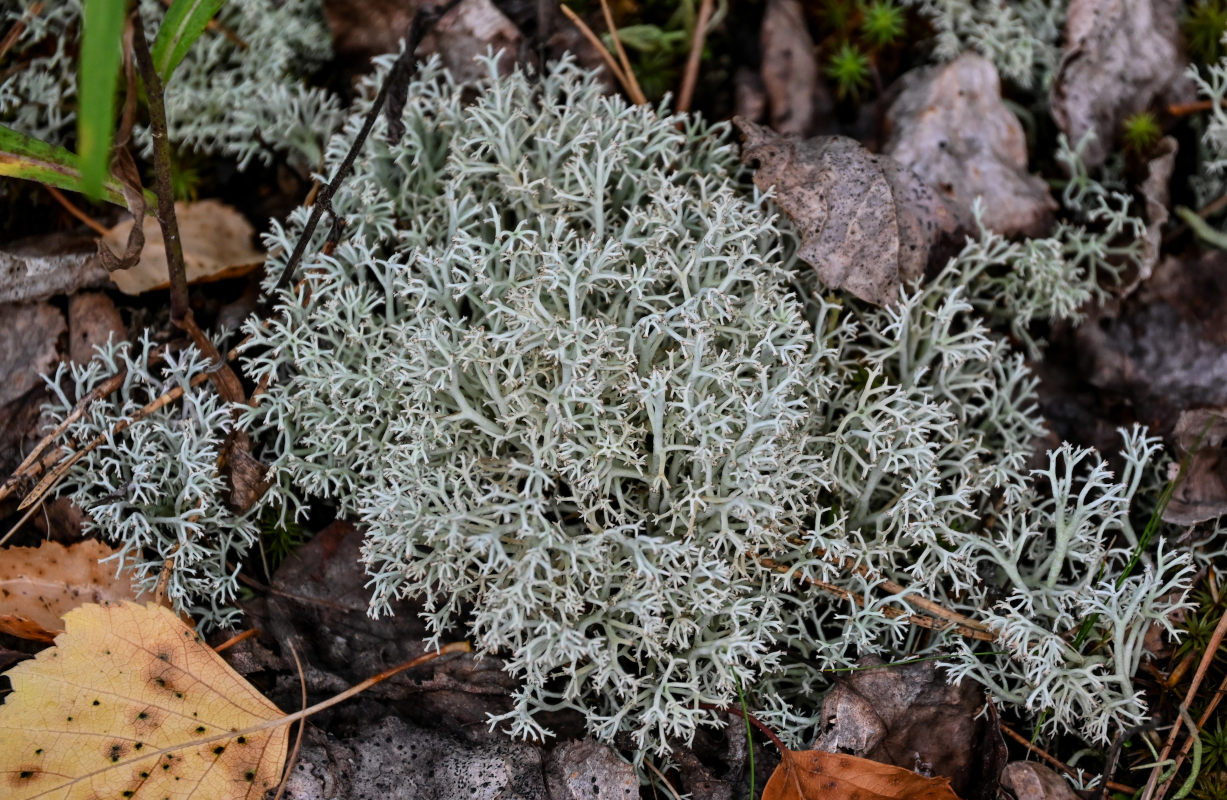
x,y
566,372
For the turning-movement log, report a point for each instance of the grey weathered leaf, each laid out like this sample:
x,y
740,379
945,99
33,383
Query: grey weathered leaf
x,y
1202,494
949,126
1120,55
866,223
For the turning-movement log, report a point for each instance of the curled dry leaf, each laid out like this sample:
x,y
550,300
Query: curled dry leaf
x,y
1120,56
39,585
817,775
1202,494
949,126
1156,191
130,703
867,224
216,245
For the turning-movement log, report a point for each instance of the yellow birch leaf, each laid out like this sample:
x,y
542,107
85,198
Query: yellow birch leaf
x,y
38,585
130,703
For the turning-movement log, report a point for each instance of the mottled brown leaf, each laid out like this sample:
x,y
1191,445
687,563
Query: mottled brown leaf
x,y
866,223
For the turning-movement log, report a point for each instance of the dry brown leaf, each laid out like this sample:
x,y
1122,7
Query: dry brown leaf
x,y
39,585
130,703
817,775
1120,56
1202,493
950,127
796,96
866,223
1031,781
217,244
909,715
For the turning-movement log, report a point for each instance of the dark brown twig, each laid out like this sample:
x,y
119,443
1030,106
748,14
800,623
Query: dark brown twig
x,y
398,76
753,720
179,309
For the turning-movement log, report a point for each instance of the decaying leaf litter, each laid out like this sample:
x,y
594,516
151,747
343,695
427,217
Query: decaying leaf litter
x,y
1149,353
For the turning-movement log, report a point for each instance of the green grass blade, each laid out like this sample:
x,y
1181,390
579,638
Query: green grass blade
x,y
185,21
31,159
97,81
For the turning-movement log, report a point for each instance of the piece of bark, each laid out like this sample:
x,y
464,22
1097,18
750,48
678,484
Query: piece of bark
x,y
1121,56
29,334
867,224
45,266
950,127
589,770
93,320
797,99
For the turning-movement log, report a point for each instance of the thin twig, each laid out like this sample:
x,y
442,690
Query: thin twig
x,y
302,724
14,33
603,51
25,518
672,791
1185,109
86,219
404,68
753,720
636,93
1153,790
893,613
896,588
63,465
1056,762
691,77
233,640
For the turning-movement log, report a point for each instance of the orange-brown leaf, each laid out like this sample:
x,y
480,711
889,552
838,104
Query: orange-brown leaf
x,y
815,775
130,703
38,585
